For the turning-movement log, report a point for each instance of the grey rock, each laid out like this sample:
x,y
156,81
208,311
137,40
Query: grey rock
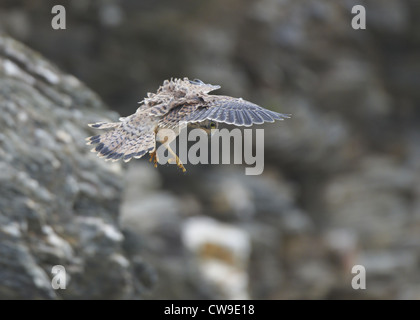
x,y
58,203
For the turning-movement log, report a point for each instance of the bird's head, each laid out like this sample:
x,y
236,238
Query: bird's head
x,y
208,126
203,87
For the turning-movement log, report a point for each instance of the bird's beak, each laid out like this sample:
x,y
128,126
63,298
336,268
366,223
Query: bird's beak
x,y
213,131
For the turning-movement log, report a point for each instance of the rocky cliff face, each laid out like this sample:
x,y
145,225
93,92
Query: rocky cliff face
x,y
58,203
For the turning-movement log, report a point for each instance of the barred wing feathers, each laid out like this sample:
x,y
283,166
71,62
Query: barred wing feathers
x,y
235,111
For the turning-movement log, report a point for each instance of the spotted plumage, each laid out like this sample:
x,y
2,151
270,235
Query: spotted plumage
x,y
177,103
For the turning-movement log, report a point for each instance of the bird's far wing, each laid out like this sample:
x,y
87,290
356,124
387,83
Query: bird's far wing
x,y
234,111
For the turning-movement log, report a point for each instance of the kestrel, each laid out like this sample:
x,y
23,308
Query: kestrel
x,y
177,103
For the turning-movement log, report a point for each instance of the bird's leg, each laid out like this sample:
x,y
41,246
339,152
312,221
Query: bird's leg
x,y
154,157
175,157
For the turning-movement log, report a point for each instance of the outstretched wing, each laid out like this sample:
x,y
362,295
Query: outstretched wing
x,y
225,109
132,137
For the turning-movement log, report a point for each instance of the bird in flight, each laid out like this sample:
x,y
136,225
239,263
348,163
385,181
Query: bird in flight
x,y
177,104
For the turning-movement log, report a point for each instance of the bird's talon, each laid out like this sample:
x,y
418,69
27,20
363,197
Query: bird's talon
x,y
181,166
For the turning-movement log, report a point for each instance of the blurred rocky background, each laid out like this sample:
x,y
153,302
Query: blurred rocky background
x,y
341,185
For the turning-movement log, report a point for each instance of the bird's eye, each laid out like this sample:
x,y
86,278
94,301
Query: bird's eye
x,y
213,125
